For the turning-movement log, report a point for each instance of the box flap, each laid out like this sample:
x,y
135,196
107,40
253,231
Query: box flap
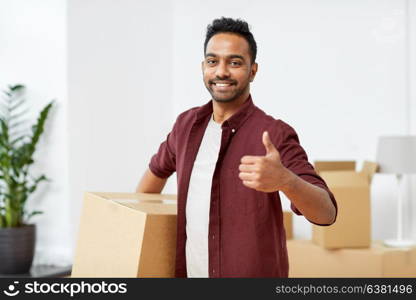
x,y
321,165
369,169
138,196
124,201
151,208
153,204
344,179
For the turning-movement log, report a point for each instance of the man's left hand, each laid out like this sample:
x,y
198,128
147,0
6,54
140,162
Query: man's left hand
x,y
265,173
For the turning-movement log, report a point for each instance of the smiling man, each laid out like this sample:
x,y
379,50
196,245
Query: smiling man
x,y
232,161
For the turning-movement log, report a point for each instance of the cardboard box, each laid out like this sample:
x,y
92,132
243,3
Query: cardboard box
x,y
351,189
288,224
126,235
307,259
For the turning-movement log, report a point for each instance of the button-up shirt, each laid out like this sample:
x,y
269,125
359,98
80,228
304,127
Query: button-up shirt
x,y
246,233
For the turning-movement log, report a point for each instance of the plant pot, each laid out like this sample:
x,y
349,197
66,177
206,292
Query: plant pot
x,y
17,247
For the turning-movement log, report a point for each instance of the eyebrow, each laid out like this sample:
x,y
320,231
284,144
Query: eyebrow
x,y
229,56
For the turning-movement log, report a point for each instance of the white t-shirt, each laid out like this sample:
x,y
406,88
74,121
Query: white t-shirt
x,y
199,199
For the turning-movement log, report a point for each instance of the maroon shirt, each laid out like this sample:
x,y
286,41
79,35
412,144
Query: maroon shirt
x,y
246,233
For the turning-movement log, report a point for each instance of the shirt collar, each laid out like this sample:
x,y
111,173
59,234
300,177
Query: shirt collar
x,y
235,121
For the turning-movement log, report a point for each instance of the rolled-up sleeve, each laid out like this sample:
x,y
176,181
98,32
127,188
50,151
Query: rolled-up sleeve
x,y
163,163
294,158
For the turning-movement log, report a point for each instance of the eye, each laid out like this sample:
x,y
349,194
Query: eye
x,y
235,63
211,61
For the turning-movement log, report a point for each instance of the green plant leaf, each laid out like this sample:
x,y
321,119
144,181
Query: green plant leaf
x,y
16,87
13,142
33,187
33,213
19,103
17,148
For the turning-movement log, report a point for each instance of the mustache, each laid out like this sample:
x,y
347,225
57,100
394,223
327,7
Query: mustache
x,y
222,80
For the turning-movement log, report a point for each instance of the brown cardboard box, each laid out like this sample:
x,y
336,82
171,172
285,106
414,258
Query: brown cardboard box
x,y
288,224
351,189
307,259
126,235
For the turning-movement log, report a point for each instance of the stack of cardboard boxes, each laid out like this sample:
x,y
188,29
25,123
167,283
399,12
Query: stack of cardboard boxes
x,y
345,249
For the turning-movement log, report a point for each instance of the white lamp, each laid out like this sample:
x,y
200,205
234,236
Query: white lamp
x,y
397,155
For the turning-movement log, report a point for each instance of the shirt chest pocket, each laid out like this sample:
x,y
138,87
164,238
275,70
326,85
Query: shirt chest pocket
x,y
239,198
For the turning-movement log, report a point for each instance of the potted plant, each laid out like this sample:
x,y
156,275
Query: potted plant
x,y
17,235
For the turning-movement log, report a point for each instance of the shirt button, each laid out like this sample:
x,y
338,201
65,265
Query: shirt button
x,y
213,236
233,130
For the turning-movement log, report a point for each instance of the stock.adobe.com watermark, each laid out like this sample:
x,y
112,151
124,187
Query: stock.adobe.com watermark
x,y
69,288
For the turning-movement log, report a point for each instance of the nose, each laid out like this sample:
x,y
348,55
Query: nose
x,y
222,71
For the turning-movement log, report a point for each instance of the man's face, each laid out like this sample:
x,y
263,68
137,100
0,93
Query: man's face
x,y
227,67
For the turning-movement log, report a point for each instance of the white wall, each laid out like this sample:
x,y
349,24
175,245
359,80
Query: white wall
x,y
119,82
335,70
411,84
33,52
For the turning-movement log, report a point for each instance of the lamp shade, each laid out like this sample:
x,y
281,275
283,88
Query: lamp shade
x,y
397,154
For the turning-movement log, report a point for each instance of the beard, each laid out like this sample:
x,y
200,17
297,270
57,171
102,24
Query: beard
x,y
225,96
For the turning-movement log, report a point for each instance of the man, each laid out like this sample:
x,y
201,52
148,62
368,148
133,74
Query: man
x,y
231,161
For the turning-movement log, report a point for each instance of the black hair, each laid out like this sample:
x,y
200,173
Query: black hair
x,y
229,25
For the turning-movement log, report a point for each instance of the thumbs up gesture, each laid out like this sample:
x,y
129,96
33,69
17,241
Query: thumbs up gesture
x,y
264,173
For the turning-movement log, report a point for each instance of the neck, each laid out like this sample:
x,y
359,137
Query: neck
x,y
224,110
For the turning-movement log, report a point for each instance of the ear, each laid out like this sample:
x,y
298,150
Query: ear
x,y
253,71
202,66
